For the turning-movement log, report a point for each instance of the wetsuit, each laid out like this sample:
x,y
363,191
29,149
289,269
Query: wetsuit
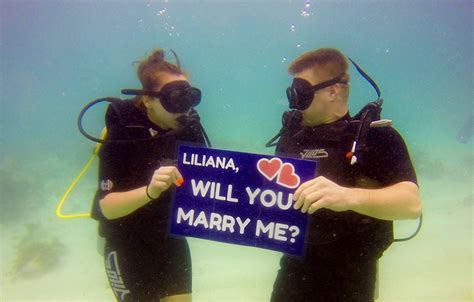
x,y
142,262
342,248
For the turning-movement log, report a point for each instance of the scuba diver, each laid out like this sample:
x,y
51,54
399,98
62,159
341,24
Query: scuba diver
x,y
365,180
137,174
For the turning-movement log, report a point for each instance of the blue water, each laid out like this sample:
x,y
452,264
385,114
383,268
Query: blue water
x,y
58,55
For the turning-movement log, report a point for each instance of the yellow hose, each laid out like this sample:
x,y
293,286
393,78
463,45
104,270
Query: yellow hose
x,y
59,214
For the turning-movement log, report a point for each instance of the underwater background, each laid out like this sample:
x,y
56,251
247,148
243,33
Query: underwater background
x,y
56,56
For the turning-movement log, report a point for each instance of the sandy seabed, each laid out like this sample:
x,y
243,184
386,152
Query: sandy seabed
x,y
434,266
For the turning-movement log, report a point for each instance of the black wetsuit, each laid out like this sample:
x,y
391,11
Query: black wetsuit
x,y
142,262
342,248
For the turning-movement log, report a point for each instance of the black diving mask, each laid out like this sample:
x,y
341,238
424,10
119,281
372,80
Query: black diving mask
x,y
176,96
301,93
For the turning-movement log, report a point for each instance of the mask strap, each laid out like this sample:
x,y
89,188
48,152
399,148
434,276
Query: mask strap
x,y
328,83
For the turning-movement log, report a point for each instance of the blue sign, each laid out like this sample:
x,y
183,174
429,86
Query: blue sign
x,y
241,198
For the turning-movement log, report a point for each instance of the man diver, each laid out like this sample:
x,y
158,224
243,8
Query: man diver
x,y
351,203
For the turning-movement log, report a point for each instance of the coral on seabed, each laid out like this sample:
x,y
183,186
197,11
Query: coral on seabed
x,y
18,191
36,253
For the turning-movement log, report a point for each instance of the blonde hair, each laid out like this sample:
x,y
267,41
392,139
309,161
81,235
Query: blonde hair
x,y
327,63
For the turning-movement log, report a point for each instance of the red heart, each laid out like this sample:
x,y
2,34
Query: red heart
x,y
287,177
269,168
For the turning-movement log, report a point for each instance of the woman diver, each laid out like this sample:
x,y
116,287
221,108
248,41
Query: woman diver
x,y
136,177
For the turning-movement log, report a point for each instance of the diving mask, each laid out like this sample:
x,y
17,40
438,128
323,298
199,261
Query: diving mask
x,y
176,96
301,93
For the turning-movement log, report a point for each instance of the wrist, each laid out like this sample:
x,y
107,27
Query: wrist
x,y
149,194
358,198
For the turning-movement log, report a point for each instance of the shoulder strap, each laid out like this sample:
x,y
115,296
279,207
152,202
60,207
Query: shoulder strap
x,y
367,118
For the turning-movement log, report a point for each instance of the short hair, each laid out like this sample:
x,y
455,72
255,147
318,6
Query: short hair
x,y
326,62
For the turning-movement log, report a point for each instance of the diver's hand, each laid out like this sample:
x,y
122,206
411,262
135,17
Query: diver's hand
x,y
320,193
162,179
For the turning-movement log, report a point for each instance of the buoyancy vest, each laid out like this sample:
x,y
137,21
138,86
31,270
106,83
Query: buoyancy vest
x,y
328,145
139,147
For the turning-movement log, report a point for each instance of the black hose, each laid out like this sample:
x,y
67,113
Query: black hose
x,y
420,222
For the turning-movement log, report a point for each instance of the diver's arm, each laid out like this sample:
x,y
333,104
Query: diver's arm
x,y
118,204
398,201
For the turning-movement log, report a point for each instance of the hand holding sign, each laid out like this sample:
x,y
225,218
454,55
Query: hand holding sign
x,y
321,193
240,198
162,179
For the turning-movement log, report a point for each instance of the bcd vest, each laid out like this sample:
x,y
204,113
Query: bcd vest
x,y
328,145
